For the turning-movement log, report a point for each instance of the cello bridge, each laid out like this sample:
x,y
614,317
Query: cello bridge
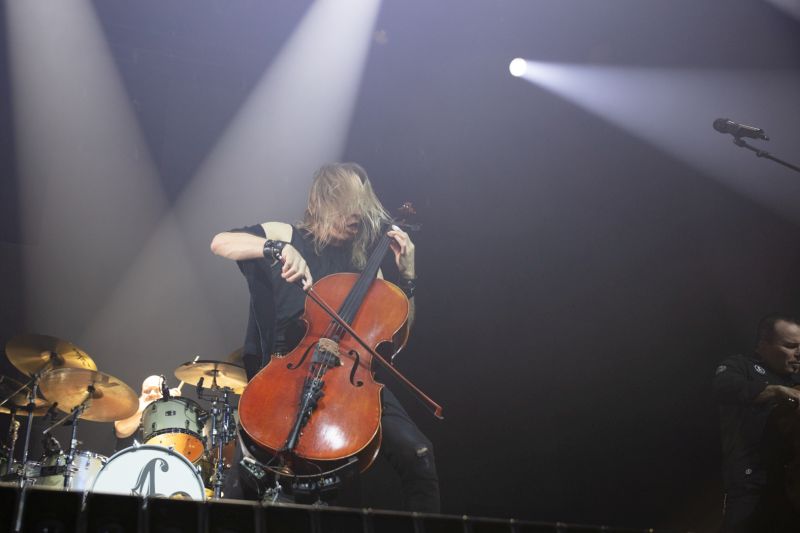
x,y
327,352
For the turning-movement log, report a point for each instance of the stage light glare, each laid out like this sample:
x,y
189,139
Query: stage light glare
x,y
517,67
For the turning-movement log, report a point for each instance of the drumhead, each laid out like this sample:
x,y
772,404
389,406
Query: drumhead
x,y
150,471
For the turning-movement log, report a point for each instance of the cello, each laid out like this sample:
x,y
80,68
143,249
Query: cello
x,y
318,408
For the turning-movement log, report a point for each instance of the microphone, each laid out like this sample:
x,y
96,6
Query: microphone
x,y
164,389
724,125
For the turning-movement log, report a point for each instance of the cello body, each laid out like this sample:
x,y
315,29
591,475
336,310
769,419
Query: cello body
x,y
344,419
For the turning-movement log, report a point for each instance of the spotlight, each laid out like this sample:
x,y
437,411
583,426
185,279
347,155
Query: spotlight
x,y
517,67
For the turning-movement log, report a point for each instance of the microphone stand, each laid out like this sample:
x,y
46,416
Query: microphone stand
x,y
738,141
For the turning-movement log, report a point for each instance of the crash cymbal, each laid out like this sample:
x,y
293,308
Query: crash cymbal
x,y
19,398
110,400
225,374
31,353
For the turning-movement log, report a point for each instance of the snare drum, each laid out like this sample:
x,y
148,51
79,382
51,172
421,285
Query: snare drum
x,y
150,471
85,466
175,423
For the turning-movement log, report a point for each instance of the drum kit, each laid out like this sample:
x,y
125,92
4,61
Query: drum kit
x,y
185,448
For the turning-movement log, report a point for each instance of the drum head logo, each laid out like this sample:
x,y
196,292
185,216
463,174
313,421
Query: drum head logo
x,y
760,369
146,482
147,475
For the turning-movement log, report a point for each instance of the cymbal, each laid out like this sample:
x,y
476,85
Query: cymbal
x,y
110,400
226,374
19,400
10,386
31,353
40,407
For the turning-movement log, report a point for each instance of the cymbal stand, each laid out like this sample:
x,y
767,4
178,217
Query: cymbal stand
x,y
32,392
219,437
54,359
75,414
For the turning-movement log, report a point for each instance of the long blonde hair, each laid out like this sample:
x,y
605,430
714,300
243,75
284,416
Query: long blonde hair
x,y
338,191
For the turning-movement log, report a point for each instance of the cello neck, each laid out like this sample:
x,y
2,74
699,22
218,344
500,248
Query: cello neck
x,y
356,296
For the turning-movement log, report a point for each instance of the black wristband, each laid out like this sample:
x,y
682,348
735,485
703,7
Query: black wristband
x,y
409,286
272,250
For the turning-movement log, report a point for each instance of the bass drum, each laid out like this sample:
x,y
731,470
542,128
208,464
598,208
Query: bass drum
x,y
150,471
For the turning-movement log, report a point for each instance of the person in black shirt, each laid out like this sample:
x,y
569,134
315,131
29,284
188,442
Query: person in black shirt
x,y
342,221
748,388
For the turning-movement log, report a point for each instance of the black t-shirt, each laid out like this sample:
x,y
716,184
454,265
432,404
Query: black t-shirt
x,y
737,382
275,305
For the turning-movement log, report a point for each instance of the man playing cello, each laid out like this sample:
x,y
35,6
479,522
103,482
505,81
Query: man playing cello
x,y
342,221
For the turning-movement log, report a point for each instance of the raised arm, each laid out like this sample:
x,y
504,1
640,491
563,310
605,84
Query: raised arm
x,y
240,246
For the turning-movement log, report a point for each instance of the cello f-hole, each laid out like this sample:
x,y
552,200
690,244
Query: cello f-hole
x,y
354,354
300,362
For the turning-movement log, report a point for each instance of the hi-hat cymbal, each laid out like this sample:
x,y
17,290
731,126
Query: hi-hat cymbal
x,y
111,399
9,387
18,400
31,353
224,374
40,407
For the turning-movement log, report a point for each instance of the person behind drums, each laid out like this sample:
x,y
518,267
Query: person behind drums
x,y
342,222
125,430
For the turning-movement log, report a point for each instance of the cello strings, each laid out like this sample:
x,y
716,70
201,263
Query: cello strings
x,y
353,302
355,298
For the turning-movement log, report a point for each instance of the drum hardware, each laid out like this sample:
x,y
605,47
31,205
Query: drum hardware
x,y
35,355
17,400
8,452
13,433
31,407
225,380
219,373
24,397
76,413
95,396
222,428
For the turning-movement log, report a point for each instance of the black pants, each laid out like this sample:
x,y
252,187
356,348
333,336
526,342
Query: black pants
x,y
758,511
410,454
406,449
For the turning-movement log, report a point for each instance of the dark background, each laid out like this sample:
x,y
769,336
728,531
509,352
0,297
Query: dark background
x,y
577,284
